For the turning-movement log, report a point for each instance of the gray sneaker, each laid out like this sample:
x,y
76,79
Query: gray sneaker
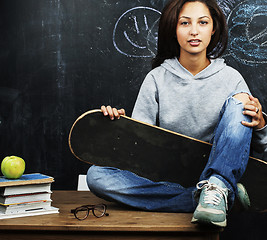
x,y
242,196
212,204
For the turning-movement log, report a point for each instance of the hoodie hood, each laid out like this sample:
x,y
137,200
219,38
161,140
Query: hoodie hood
x,y
174,66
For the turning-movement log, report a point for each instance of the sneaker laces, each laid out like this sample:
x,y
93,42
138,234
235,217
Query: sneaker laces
x,y
213,193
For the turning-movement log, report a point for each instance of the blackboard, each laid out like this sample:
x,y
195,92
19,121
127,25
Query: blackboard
x,y
60,58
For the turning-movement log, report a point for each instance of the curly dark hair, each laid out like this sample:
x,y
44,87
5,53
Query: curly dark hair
x,y
168,46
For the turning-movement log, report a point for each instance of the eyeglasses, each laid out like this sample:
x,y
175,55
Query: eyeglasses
x,y
82,212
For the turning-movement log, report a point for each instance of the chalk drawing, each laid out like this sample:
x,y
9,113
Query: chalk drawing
x,y
248,32
135,32
226,5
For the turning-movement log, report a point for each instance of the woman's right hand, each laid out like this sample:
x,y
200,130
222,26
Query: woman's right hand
x,y
112,112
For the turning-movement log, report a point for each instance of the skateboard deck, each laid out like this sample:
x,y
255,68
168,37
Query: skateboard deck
x,y
153,152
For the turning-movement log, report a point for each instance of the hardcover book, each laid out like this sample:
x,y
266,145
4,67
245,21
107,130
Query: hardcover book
x,y
49,210
33,178
23,189
25,207
24,198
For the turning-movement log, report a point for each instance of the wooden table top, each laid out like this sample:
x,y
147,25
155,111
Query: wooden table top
x,y
120,218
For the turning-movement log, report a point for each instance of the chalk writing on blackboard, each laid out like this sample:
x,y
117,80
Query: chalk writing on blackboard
x,y
135,32
248,32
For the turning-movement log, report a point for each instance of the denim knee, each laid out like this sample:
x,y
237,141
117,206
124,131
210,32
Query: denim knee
x,y
94,177
103,179
233,109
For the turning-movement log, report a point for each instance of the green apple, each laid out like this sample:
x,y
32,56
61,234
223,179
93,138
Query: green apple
x,y
13,167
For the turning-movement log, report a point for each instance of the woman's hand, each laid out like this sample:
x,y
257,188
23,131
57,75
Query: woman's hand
x,y
112,112
253,108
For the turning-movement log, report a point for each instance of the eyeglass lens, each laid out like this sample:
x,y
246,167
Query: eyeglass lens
x,y
99,210
81,213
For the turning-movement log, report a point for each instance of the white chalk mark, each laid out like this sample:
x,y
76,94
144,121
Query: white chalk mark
x,y
136,25
259,35
145,21
131,42
226,5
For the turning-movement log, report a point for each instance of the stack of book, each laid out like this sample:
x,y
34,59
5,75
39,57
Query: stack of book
x,y
29,195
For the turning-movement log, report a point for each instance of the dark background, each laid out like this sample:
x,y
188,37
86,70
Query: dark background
x,y
60,58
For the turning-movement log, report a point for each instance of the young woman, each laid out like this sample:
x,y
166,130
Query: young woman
x,y
191,91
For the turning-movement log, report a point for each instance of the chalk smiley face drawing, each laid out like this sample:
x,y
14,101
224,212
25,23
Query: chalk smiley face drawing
x,y
135,32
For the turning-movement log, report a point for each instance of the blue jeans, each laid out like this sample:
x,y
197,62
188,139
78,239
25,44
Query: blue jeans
x,y
227,161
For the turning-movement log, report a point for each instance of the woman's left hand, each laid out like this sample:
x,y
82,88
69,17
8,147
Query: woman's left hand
x,y
253,108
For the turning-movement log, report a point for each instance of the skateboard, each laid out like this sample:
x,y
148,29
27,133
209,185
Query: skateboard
x,y
153,152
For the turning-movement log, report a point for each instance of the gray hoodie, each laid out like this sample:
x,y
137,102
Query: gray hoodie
x,y
172,98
